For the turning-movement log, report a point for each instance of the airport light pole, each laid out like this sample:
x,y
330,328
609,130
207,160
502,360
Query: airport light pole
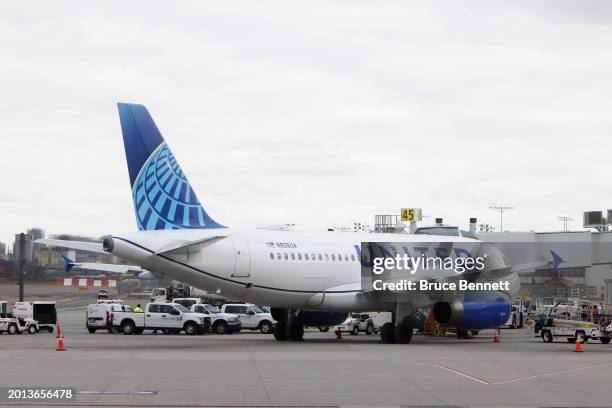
x,y
501,209
565,221
22,261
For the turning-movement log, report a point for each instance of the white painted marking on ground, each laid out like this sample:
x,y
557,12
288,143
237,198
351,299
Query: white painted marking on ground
x,y
462,374
553,373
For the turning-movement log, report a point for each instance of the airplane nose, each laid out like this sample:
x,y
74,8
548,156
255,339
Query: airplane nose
x,y
108,244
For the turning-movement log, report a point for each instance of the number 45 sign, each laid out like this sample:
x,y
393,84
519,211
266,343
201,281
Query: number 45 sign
x,y
412,214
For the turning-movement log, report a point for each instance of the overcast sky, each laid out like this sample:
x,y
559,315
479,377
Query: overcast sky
x,y
316,113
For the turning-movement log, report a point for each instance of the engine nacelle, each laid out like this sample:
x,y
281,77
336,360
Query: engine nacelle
x,y
312,318
320,318
472,315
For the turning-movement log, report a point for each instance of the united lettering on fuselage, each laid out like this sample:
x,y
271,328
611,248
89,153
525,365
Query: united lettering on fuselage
x,y
442,251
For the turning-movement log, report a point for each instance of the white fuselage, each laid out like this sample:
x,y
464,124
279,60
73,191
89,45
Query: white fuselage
x,y
271,267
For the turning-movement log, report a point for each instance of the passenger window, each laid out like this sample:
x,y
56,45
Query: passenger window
x,y
299,257
292,256
339,257
320,257
231,309
271,255
333,257
278,255
346,257
326,257
286,256
306,257
352,257
313,257
154,309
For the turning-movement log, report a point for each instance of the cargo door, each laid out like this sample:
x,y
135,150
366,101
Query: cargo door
x,y
242,268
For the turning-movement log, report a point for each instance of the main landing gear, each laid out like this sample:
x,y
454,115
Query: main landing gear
x,y
397,333
287,327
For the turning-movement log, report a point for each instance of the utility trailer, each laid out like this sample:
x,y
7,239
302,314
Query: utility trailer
x,y
571,329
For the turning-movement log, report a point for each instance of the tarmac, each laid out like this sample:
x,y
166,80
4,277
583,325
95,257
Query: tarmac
x,y
252,369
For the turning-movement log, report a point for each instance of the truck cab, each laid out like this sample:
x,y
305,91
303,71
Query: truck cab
x,y
251,316
167,317
159,295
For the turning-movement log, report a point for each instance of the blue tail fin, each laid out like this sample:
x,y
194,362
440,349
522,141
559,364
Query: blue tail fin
x,y
163,198
69,263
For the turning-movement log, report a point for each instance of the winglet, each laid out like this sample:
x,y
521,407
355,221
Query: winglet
x,y
69,263
556,260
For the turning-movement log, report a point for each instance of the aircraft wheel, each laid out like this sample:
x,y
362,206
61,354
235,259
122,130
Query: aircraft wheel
x,y
296,331
280,330
387,334
403,332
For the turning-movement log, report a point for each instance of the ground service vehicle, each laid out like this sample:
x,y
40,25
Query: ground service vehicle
x,y
159,295
168,317
518,315
44,313
187,302
571,329
221,323
102,294
357,322
251,317
12,325
100,316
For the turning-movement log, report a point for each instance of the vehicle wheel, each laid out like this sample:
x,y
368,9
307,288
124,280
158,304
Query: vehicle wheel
x,y
191,328
12,329
370,329
323,329
280,330
464,334
547,336
355,331
220,327
387,333
265,327
128,328
49,329
91,330
605,340
32,330
112,330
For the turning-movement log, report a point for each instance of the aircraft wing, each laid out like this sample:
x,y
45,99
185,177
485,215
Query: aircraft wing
x,y
80,245
104,267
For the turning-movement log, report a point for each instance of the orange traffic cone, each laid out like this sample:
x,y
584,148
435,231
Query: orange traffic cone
x,y
497,336
578,343
60,345
59,331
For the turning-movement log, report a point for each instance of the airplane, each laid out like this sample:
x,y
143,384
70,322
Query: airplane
x,y
105,267
308,278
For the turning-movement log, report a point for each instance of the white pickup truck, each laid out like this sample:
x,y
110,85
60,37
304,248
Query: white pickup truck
x,y
251,316
221,323
358,322
167,317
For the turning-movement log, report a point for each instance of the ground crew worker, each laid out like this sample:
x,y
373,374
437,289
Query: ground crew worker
x,y
137,309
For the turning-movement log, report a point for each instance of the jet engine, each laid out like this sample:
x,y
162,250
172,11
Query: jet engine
x,y
472,315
